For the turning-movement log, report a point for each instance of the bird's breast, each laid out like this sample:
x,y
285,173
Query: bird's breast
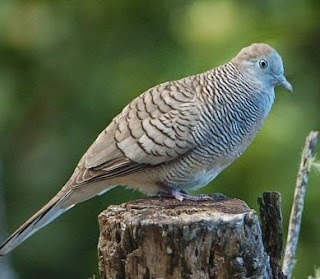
x,y
232,126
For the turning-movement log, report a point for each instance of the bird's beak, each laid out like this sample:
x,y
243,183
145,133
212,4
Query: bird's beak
x,y
284,83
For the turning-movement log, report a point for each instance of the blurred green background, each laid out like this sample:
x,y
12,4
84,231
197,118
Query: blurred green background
x,y
68,67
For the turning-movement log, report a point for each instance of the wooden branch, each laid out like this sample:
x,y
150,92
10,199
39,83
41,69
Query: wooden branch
x,y
298,203
166,238
272,230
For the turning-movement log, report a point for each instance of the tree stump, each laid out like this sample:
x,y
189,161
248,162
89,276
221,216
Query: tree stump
x,y
166,238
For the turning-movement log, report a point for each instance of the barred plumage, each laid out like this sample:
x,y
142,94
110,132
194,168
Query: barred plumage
x,y
178,135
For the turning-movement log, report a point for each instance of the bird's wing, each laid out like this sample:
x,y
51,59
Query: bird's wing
x,y
154,128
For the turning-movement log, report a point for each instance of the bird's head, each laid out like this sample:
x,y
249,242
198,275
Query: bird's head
x,y
263,63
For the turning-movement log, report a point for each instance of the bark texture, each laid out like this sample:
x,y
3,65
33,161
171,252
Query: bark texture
x,y
166,238
272,230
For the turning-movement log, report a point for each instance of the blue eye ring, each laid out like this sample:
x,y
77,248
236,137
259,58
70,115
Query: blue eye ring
x,y
263,63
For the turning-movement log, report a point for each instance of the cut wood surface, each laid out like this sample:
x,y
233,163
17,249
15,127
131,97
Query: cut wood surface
x,y
167,238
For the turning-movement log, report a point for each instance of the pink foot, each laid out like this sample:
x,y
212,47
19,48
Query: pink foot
x,y
181,195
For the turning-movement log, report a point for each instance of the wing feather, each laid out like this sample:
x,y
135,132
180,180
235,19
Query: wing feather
x,y
154,128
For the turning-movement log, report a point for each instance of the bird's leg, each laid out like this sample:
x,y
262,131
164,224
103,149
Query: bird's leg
x,y
181,195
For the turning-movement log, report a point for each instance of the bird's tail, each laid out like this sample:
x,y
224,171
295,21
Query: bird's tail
x,y
45,215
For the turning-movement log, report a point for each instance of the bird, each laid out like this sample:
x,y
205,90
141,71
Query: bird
x,y
174,137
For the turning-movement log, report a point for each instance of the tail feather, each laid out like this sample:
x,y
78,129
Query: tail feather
x,y
45,215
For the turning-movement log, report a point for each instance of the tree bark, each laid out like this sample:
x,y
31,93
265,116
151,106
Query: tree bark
x,y
272,230
166,238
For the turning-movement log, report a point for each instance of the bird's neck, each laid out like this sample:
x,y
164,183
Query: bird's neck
x,y
236,103
228,81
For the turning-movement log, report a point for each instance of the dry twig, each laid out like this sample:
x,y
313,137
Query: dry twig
x,y
297,207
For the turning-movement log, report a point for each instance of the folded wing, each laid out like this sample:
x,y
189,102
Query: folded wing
x,y
154,128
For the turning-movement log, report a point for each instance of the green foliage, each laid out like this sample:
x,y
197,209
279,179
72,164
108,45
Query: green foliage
x,y
68,67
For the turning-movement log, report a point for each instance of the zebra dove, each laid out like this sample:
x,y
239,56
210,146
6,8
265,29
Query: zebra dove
x,y
176,136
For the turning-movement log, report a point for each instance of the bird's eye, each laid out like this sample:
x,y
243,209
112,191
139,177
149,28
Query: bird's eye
x,y
263,63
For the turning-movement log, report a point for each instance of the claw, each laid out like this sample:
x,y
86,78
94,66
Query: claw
x,y
181,195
